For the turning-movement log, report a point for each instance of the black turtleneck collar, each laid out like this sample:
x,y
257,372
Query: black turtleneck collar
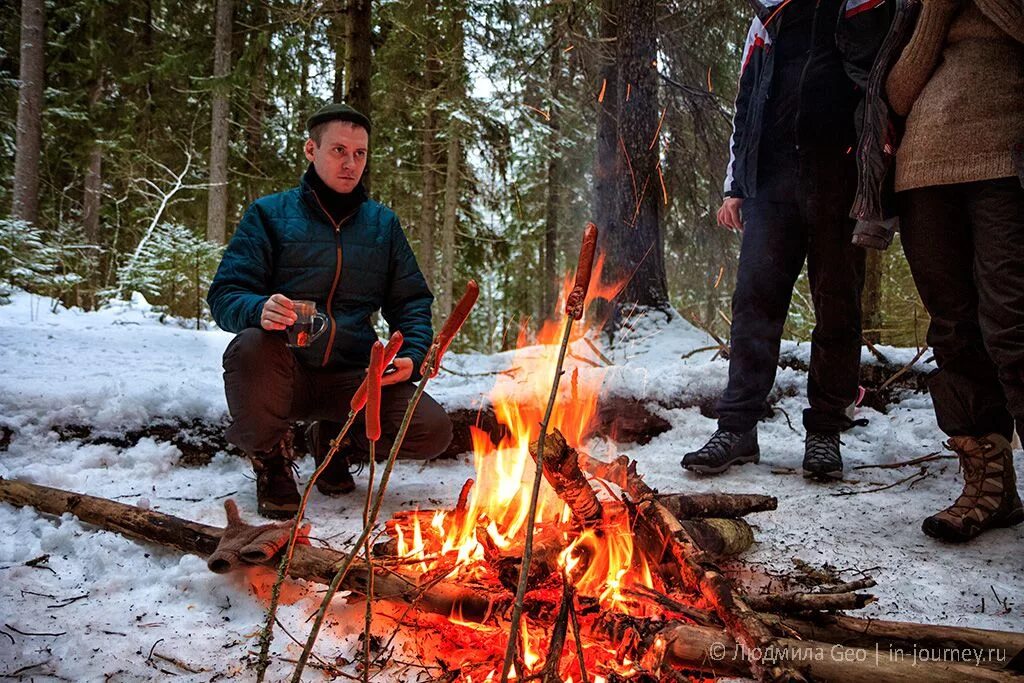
x,y
339,206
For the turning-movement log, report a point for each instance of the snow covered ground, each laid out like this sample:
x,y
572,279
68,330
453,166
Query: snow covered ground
x,y
116,610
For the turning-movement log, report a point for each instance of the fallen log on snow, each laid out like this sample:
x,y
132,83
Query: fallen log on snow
x,y
309,563
891,635
808,602
715,504
715,651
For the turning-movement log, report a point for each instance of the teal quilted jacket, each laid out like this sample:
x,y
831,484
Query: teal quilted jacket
x,y
287,244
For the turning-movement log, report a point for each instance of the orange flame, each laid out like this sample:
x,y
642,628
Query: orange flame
x,y
600,563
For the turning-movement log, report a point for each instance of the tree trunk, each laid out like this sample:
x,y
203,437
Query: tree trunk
x,y
29,136
93,185
358,27
259,43
358,64
217,206
607,131
554,185
871,299
336,37
634,248
451,209
428,150
456,95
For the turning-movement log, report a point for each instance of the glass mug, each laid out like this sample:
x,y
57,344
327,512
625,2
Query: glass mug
x,y
302,332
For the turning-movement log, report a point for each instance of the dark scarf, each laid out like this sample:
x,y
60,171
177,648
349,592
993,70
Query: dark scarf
x,y
338,206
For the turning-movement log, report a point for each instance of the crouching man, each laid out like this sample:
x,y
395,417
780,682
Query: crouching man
x,y
323,243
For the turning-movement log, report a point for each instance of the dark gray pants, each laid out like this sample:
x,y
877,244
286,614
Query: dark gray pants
x,y
777,237
965,245
267,389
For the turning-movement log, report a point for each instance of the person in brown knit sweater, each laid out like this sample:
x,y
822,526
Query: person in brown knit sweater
x,y
960,84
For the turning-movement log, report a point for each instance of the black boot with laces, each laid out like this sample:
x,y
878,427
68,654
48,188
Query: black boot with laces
x,y
277,495
336,479
722,451
822,460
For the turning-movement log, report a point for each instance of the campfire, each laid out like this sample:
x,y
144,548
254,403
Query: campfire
x,y
558,566
599,558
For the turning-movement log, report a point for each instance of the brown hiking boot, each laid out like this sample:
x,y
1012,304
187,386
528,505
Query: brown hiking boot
x,y
989,499
336,480
277,496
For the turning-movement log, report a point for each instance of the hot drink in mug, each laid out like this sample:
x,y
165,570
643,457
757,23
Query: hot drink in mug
x,y
304,330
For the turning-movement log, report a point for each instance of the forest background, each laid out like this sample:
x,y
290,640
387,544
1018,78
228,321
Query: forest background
x,y
135,133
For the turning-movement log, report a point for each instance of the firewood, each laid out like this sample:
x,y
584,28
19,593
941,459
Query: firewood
x,y
721,537
702,576
887,635
548,544
622,472
561,469
713,650
715,504
806,602
551,673
309,563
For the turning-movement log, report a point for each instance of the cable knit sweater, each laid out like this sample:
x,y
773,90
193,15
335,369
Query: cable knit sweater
x,y
960,83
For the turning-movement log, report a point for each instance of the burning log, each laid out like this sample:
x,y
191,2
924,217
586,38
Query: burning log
x,y
702,576
547,546
561,465
312,564
562,471
622,472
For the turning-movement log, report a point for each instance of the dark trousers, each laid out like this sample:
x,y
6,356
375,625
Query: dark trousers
x,y
267,389
777,237
965,245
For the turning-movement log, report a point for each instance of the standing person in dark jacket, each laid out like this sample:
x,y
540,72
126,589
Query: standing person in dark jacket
x,y
959,85
790,184
327,242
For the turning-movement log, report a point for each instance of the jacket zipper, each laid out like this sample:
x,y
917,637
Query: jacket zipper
x,y
337,275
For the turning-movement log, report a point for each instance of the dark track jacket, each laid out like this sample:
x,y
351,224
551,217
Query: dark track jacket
x,y
286,243
874,206
860,26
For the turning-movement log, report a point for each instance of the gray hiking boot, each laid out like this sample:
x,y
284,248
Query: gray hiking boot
x,y
722,451
822,460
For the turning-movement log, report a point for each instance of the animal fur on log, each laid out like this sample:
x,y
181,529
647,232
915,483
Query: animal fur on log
x,y
561,468
312,564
